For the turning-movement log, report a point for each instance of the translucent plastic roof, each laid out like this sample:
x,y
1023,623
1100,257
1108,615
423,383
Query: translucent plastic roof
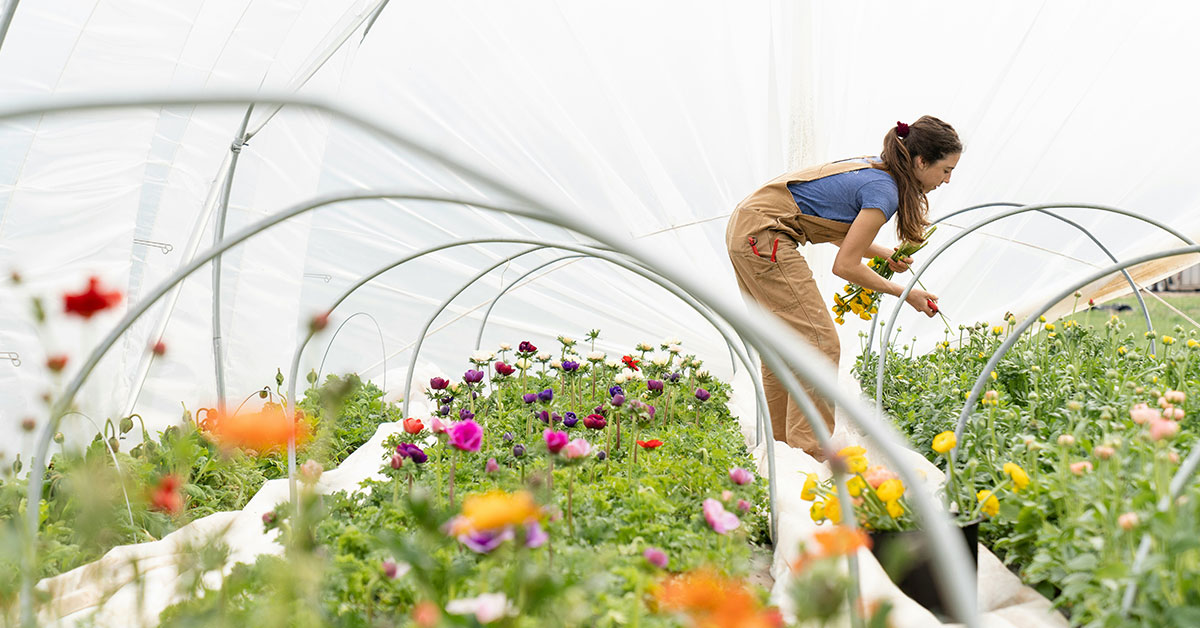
x,y
654,120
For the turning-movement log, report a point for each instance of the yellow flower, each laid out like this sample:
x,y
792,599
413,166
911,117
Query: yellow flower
x,y
494,510
890,490
998,330
809,492
817,512
837,298
839,320
994,376
833,510
991,505
944,442
1192,344
1049,326
866,316
853,450
855,486
894,509
1121,350
1019,478
1168,340
1041,319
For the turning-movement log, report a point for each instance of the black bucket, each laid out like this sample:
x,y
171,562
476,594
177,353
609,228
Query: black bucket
x,y
907,559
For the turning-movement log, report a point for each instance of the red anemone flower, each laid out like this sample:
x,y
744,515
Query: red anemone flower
x,y
650,444
631,362
91,300
166,497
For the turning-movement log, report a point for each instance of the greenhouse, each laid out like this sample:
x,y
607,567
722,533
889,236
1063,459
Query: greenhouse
x,y
547,313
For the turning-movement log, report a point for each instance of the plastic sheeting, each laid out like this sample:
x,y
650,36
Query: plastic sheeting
x,y
658,118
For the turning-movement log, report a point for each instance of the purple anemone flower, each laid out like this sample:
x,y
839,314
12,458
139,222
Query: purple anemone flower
x,y
465,414
439,383
570,366
570,419
472,376
702,394
615,390
530,397
546,396
444,410
518,451
617,400
601,455
508,437
654,384
674,377
535,536
544,417
484,542
412,452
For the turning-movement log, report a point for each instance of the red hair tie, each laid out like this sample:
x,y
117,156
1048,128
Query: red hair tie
x,y
901,129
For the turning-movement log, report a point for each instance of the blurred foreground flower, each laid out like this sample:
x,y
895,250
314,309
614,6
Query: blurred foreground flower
x,y
714,601
719,519
166,497
92,300
486,607
261,432
495,510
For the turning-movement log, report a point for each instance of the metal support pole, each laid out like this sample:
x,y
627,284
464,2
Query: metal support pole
x,y
235,150
382,346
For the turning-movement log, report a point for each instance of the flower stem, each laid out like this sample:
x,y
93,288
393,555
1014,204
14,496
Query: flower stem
x,y
453,472
570,493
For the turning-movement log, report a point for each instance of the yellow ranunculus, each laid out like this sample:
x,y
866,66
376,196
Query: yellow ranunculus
x,y
809,492
853,450
944,442
866,316
839,320
998,330
890,490
991,505
856,464
1168,340
855,486
1019,478
817,512
895,510
833,510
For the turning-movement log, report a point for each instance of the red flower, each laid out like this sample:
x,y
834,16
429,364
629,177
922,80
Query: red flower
x,y
413,426
650,444
90,301
901,129
631,362
166,497
56,363
318,322
159,348
504,369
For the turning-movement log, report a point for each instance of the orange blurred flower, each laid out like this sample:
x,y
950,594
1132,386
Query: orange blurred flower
x,y
166,497
711,600
494,510
834,541
263,431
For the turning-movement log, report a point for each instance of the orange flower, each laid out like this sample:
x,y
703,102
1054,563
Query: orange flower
x,y
166,497
711,600
494,510
263,431
841,540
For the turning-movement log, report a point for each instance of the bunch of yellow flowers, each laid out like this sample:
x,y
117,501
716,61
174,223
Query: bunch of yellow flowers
x,y
877,493
863,301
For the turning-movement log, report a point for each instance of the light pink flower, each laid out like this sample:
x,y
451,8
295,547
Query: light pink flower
x,y
656,557
1066,440
486,607
577,448
879,474
1173,457
492,466
1141,413
740,476
437,426
311,471
1163,403
726,495
1163,428
1128,521
743,505
1175,396
1103,452
1081,467
1174,413
720,520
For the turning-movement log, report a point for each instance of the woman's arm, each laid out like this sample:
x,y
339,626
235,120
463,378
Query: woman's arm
x,y
854,247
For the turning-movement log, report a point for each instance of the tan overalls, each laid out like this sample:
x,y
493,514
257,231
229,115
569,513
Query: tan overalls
x,y
762,237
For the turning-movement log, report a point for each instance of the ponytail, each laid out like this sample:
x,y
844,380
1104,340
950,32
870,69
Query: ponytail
x,y
931,140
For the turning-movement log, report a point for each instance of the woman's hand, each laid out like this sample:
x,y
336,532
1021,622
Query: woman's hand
x,y
923,302
901,265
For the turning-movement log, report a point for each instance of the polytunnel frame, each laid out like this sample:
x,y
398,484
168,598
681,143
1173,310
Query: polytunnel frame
x,y
583,250
1186,470
889,329
782,349
329,345
1136,290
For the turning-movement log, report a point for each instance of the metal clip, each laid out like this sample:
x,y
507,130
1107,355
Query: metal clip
x,y
11,355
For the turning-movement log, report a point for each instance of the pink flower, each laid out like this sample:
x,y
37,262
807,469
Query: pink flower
x,y
486,607
1173,413
1175,396
1103,452
437,426
466,435
726,495
1081,467
743,505
492,466
1066,440
1141,413
555,441
720,520
1163,428
577,448
1128,521
311,471
397,461
1173,457
740,476
878,474
656,557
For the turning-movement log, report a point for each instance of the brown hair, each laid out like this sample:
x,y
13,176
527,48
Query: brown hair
x,y
931,140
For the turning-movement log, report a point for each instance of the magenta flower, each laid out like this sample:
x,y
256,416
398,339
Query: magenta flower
x,y
719,519
740,476
535,536
526,347
439,383
743,505
594,422
437,426
555,441
466,435
617,400
655,557
390,569
654,384
483,542
702,394
577,448
492,466
472,376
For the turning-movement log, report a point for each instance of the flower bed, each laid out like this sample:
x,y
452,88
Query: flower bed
x,y
1081,430
556,492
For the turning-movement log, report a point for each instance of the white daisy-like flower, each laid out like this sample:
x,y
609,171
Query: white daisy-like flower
x,y
596,356
542,356
612,363
504,346
523,364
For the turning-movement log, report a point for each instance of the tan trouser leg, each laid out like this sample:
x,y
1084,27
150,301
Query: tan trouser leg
x,y
786,288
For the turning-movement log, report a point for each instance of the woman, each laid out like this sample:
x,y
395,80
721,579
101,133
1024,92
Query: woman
x,y
846,203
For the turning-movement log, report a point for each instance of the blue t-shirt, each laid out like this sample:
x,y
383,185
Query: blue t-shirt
x,y
841,196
